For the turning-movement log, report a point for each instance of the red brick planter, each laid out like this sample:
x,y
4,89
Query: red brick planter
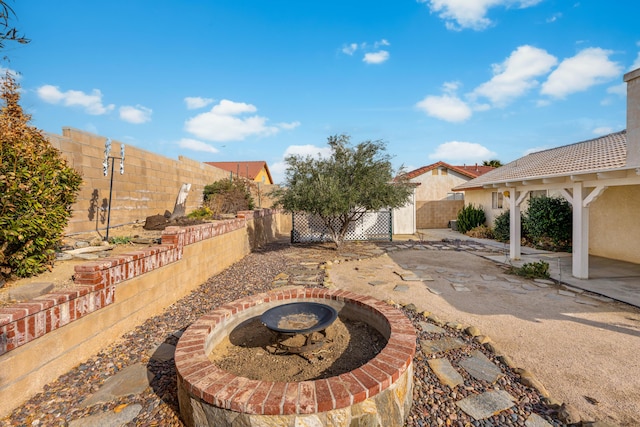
x,y
377,393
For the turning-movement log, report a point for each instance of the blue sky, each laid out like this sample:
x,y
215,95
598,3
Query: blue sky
x,y
225,80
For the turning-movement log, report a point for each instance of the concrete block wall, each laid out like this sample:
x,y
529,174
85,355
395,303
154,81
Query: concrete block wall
x,y
43,338
149,185
437,213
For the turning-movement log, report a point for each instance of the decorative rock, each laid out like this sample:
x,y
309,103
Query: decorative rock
x,y
133,379
377,282
401,288
536,420
430,328
566,293
528,379
507,361
472,331
442,344
163,352
480,367
544,281
445,372
482,339
569,414
411,307
109,419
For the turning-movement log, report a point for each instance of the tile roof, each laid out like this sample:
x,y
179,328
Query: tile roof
x,y
606,153
249,169
470,171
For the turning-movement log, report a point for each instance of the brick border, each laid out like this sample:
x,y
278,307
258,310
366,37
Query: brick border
x,y
205,381
95,282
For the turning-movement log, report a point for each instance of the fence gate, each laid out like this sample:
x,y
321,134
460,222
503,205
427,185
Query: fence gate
x,y
371,226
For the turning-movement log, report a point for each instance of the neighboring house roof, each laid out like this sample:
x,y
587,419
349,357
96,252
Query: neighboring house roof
x,y
249,169
601,154
468,171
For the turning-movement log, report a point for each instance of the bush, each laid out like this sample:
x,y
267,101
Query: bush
x,y
37,189
470,217
201,213
531,270
480,232
228,196
502,227
548,223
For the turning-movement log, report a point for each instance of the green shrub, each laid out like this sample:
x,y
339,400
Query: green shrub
x,y
548,223
470,217
120,240
200,213
502,227
531,270
37,189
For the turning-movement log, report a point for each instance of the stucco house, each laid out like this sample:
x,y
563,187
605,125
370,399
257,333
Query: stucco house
x,y
257,171
435,203
600,178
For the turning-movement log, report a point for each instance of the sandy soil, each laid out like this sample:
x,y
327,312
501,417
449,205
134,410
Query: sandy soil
x,y
586,355
249,348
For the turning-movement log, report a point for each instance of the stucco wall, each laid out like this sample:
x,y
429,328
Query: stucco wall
x,y
437,213
436,187
614,229
149,186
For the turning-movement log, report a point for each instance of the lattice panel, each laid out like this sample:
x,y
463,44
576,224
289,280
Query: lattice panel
x,y
371,226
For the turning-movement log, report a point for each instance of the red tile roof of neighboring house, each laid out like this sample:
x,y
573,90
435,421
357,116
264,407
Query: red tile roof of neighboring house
x,y
249,169
608,152
470,171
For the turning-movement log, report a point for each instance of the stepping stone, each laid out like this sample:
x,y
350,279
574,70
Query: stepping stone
x,y
527,287
445,372
456,280
572,289
30,291
426,278
587,301
433,291
133,379
566,293
536,420
512,280
410,277
163,352
422,267
486,404
541,285
377,282
440,345
518,291
401,288
481,368
601,298
431,328
460,288
109,419
544,281
488,277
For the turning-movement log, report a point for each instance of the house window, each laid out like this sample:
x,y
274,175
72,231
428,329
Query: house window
x,y
538,193
443,171
496,200
434,172
455,196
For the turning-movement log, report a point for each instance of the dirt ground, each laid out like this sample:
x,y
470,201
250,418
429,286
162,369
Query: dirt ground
x,y
61,275
249,348
584,354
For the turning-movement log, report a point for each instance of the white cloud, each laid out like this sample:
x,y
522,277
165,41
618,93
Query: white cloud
x,y
92,103
446,107
534,150
195,145
620,89
376,57
350,49
228,121
13,73
136,115
602,130
516,75
194,102
554,17
460,14
383,42
462,152
588,68
636,63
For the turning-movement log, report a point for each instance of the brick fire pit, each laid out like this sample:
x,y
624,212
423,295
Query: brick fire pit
x,y
377,393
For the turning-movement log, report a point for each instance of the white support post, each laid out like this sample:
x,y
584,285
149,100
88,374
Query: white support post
x,y
580,256
515,227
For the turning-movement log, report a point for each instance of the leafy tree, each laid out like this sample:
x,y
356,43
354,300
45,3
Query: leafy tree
x,y
6,32
494,162
341,188
37,189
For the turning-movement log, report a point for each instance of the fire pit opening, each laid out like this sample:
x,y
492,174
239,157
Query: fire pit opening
x,y
376,390
299,318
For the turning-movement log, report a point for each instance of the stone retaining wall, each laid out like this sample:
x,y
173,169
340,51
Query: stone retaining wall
x,y
45,337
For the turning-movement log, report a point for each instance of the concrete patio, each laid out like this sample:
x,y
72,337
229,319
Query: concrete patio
x,y
609,278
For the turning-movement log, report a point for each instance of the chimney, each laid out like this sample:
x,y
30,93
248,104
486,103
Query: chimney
x,y
633,117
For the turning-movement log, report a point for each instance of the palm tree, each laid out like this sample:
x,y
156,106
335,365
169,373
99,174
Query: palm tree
x,y
494,163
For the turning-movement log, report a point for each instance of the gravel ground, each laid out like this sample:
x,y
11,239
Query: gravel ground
x,y
434,404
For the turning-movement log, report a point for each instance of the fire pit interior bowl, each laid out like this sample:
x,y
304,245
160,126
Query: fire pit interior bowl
x,y
299,317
